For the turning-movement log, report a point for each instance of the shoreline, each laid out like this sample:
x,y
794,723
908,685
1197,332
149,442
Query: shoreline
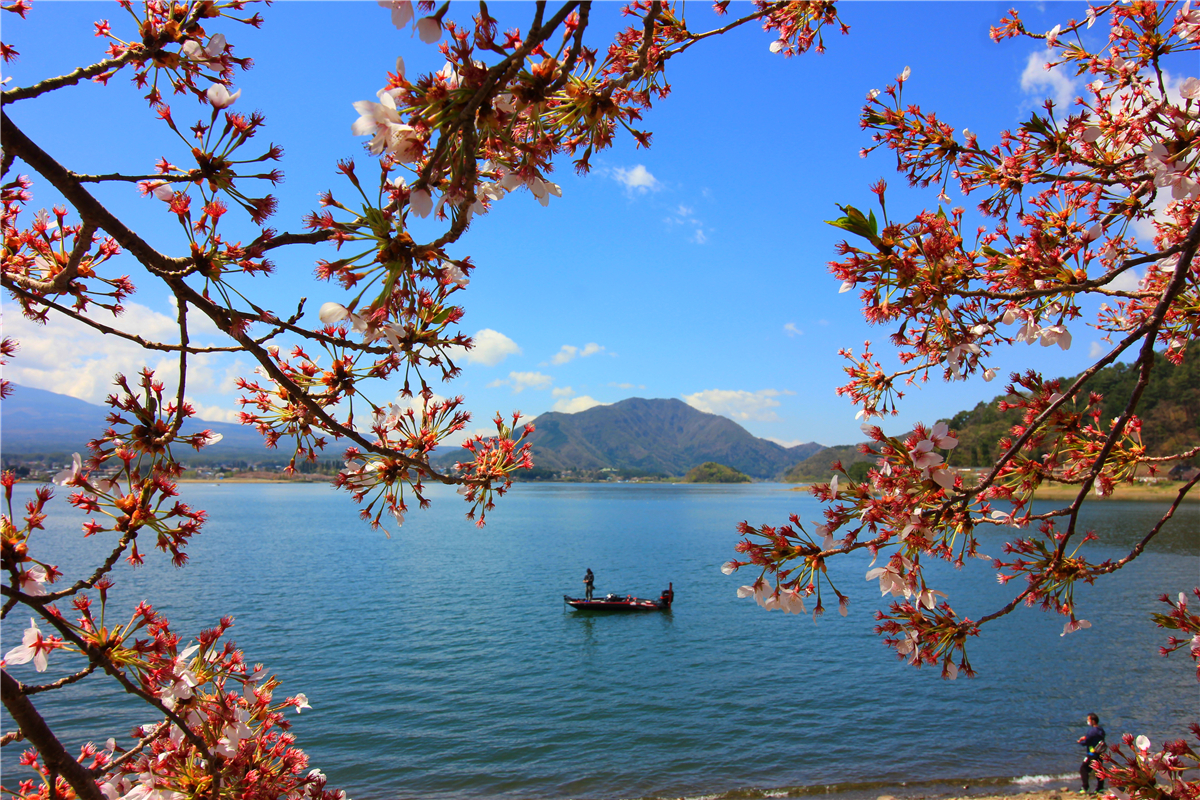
x,y
1159,493
1026,787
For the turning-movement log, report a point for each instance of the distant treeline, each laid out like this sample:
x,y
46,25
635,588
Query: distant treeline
x,y
1169,410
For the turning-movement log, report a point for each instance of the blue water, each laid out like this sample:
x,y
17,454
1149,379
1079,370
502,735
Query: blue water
x,y
442,662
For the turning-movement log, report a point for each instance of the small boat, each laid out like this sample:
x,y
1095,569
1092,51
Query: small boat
x,y
623,602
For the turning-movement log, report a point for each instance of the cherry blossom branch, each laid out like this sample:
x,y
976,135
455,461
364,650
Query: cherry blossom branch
x,y
61,682
1145,364
38,733
98,655
145,343
1141,546
134,52
1176,457
132,752
59,283
188,177
185,292
14,140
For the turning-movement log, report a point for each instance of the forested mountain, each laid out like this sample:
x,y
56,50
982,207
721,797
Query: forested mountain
x,y
1169,410
663,436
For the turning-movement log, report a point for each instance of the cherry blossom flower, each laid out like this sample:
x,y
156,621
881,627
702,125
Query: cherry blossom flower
x,y
891,578
69,475
826,536
1075,625
1056,334
940,436
301,702
215,48
429,29
792,602
420,202
381,121
928,597
909,647
923,456
452,274
729,567
31,581
220,97
33,647
332,313
543,189
402,12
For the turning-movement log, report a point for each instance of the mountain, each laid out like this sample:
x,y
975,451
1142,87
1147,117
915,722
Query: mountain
x,y
666,436
34,422
819,466
1169,410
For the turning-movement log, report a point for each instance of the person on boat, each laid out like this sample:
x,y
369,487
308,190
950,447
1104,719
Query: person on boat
x,y
1093,740
589,582
667,596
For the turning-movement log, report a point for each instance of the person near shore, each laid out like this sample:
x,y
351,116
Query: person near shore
x,y
589,582
1093,740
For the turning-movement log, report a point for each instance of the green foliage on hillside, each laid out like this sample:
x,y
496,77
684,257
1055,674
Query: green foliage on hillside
x,y
712,472
1169,410
819,466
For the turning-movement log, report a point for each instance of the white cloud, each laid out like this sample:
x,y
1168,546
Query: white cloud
x,y
1096,349
217,414
490,348
576,404
562,391
785,442
69,358
628,385
637,179
1127,281
791,330
698,236
739,404
1036,79
570,352
520,381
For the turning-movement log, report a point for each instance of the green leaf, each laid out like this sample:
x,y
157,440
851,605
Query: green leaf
x,y
856,223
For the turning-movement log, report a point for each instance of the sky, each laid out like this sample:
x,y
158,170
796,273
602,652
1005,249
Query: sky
x,y
695,269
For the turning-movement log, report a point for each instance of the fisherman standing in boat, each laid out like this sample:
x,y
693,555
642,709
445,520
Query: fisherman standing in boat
x,y
589,581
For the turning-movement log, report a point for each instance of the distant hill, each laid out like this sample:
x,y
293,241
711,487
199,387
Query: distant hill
x,y
667,436
819,466
37,423
712,472
1169,410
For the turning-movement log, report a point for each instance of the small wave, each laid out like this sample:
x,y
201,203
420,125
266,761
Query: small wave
x,y
1031,779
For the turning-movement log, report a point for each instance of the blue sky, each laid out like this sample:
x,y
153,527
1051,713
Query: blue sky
x,y
695,269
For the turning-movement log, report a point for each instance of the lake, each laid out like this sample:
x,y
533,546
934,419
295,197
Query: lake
x,y
443,663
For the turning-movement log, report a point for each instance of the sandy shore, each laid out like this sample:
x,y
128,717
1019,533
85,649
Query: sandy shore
x,y
1040,794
